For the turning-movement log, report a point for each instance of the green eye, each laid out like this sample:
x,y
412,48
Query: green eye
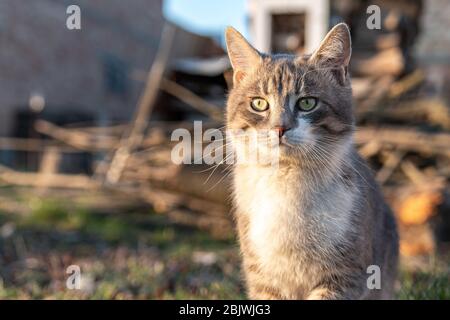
x,y
259,104
307,104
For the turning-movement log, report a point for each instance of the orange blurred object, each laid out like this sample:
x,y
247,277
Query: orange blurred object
x,y
416,240
417,208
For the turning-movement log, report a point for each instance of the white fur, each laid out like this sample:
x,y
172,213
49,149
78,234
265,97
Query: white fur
x,y
301,134
278,208
286,215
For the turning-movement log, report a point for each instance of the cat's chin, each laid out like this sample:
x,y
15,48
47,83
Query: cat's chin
x,y
291,154
286,144
288,147
288,151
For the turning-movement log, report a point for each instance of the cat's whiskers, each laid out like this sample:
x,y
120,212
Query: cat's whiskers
x,y
217,165
356,170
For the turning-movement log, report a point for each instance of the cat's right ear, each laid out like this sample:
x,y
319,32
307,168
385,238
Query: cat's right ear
x,y
243,57
336,49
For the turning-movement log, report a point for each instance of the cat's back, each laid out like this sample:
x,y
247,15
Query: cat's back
x,y
378,223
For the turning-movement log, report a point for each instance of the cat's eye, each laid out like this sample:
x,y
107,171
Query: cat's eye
x,y
259,104
307,103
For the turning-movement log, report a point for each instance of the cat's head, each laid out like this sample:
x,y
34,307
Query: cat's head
x,y
306,101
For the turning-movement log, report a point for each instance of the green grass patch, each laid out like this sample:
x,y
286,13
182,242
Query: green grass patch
x,y
137,255
54,215
424,286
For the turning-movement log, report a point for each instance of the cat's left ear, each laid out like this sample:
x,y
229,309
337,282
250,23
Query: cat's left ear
x,y
336,49
243,57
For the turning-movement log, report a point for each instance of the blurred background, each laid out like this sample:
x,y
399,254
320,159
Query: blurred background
x,y
86,117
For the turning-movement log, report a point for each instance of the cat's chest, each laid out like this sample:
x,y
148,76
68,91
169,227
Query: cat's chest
x,y
285,221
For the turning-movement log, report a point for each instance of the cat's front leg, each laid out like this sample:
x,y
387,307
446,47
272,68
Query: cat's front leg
x,y
323,293
349,291
263,293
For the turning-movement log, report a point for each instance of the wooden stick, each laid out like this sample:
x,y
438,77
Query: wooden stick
x,y
381,88
32,145
76,138
406,139
50,161
87,141
407,83
369,149
413,173
431,110
393,160
70,181
192,99
49,166
134,137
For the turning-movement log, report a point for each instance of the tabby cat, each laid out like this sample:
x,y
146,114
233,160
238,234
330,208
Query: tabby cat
x,y
312,226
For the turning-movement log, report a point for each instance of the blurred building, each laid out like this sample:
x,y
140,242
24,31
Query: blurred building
x,y
288,25
95,75
412,33
433,44
74,75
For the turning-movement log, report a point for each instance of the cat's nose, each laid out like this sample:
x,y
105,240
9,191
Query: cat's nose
x,y
281,130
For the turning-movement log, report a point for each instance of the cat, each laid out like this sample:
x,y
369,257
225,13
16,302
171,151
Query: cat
x,y
312,226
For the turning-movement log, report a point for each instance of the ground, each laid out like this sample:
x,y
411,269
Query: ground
x,y
133,253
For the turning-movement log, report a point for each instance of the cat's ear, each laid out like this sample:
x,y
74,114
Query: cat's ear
x,y
243,57
336,49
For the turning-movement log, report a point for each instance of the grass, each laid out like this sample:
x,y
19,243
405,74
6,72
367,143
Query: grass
x,y
50,214
432,285
139,255
134,255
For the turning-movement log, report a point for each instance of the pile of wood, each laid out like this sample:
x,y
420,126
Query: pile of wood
x,y
402,132
135,157
403,127
407,142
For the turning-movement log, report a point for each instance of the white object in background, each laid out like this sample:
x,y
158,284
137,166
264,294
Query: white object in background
x,y
317,20
36,102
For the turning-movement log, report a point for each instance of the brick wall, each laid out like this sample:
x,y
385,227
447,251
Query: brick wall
x,y
68,67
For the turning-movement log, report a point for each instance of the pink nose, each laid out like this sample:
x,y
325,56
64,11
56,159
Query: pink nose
x,y
281,131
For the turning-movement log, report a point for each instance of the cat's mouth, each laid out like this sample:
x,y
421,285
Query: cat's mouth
x,y
283,142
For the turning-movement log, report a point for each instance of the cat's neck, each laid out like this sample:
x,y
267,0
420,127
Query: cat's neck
x,y
310,176
287,176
